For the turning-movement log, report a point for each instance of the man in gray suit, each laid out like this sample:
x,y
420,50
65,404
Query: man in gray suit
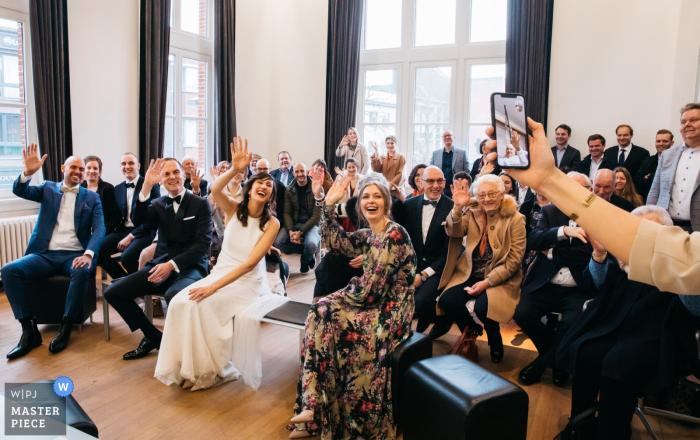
x,y
675,185
450,160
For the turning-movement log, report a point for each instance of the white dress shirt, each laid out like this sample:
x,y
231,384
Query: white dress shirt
x,y
560,154
427,217
63,237
284,177
176,207
522,191
627,151
595,165
129,198
684,183
563,277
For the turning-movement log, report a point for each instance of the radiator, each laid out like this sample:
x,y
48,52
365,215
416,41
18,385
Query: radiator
x,y
15,233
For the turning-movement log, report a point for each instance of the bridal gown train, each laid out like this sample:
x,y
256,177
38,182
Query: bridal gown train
x,y
200,348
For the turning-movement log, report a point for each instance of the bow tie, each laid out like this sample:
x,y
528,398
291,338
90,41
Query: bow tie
x,y
66,189
430,202
170,200
130,185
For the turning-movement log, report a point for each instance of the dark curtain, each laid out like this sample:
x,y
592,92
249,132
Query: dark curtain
x,y
154,48
342,72
49,42
224,78
528,49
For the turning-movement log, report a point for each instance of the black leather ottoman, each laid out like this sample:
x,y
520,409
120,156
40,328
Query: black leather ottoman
x,y
48,297
416,348
451,398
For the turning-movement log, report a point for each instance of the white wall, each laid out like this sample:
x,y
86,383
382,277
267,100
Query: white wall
x,y
104,68
281,76
622,62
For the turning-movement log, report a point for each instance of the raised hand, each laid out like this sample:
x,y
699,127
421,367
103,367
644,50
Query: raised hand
x,y
196,179
515,140
155,168
30,159
487,169
240,157
374,145
345,141
339,172
214,171
460,194
338,190
317,177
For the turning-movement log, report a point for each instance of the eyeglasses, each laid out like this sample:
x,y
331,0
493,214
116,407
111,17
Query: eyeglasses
x,y
491,195
431,182
264,170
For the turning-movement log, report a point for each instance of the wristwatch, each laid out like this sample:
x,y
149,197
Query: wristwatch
x,y
423,277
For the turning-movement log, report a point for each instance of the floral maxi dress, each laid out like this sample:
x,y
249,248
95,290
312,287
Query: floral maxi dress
x,y
350,334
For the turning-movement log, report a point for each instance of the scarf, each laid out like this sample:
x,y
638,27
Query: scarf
x,y
484,236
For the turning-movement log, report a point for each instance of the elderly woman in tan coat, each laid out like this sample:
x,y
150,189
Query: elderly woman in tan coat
x,y
489,270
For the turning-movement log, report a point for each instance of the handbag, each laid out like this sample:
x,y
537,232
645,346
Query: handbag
x,y
466,345
580,427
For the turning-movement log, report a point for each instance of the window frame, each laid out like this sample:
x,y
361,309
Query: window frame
x,y
8,201
463,54
361,124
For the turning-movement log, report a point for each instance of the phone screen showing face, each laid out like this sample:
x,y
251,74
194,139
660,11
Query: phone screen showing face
x,y
510,125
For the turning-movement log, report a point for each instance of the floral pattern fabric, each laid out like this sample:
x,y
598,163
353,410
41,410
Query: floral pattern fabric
x,y
350,335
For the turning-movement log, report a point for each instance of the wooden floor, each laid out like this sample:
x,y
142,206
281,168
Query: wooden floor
x,y
126,402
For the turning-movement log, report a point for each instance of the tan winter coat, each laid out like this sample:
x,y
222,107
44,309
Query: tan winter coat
x,y
507,238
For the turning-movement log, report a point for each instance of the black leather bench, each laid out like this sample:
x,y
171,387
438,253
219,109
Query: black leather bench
x,y
451,398
48,298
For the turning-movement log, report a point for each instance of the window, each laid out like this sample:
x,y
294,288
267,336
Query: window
x,y
428,66
17,126
188,122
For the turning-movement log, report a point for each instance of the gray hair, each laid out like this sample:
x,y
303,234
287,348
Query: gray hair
x,y
661,214
392,137
690,106
189,158
573,174
380,181
489,178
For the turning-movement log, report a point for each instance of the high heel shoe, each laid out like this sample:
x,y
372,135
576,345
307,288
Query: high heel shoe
x,y
304,417
299,434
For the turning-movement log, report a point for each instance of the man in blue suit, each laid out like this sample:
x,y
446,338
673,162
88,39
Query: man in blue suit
x,y
66,239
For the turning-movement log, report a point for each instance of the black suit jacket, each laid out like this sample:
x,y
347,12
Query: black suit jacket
x,y
185,238
571,157
584,167
432,253
570,252
633,161
526,208
621,203
203,192
139,211
648,167
277,175
105,191
477,165
279,201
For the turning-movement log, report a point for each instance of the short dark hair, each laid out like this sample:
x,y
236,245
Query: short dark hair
x,y
351,160
565,127
481,145
690,106
625,125
664,131
172,159
414,173
463,175
596,137
88,159
283,151
320,162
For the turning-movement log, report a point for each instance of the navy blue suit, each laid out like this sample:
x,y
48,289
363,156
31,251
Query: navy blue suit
x,y
130,256
40,262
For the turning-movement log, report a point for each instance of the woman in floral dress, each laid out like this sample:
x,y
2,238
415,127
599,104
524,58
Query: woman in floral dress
x,y
344,389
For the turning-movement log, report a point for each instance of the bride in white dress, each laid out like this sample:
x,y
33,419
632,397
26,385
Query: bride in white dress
x,y
200,348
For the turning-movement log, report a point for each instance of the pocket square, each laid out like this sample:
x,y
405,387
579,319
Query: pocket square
x,y
443,223
188,218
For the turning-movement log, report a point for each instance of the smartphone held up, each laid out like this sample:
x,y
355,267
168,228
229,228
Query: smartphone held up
x,y
510,128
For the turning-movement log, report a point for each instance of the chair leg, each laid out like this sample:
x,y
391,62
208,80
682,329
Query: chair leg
x,y
105,318
91,321
148,307
80,329
640,413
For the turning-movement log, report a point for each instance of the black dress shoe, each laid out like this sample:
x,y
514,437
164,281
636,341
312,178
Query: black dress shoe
x,y
30,339
559,377
441,327
145,347
532,373
497,356
60,341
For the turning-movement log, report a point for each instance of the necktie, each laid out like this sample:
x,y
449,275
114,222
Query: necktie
x,y
170,200
66,189
130,185
430,202
484,237
621,162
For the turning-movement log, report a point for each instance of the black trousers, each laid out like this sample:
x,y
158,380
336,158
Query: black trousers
x,y
617,399
425,296
548,299
454,302
129,257
121,295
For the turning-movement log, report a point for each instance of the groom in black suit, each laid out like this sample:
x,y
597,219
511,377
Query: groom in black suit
x,y
426,227
184,225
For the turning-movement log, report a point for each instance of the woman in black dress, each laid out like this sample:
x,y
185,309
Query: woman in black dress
x,y
93,181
